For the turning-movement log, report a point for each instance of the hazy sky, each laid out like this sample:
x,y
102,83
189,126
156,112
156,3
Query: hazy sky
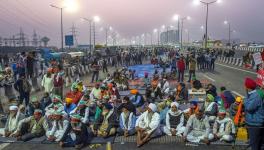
x,y
132,18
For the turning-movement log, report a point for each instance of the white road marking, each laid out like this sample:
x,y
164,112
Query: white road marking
x,y
236,93
2,146
209,78
236,68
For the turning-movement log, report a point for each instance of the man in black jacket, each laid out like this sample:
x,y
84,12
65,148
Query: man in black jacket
x,y
23,87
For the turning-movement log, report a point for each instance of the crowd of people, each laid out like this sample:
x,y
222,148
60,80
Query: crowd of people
x,y
73,117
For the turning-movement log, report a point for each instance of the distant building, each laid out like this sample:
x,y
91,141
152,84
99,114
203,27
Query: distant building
x,y
169,37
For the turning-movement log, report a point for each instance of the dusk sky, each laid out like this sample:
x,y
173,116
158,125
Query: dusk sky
x,y
132,18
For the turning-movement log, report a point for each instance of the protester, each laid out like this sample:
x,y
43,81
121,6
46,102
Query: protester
x,y
224,128
23,87
31,127
254,114
181,68
127,122
12,121
198,128
174,121
105,125
148,125
47,82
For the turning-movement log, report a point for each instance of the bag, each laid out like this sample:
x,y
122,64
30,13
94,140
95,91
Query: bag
x,y
242,134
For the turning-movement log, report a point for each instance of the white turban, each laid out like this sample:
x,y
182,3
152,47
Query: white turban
x,y
13,108
175,104
153,107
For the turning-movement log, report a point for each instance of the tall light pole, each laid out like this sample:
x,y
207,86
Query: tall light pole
x,y
61,10
207,13
90,34
229,32
176,17
182,21
156,31
95,19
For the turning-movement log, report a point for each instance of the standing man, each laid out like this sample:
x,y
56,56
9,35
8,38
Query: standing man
x,y
192,67
254,114
23,87
105,70
95,68
181,68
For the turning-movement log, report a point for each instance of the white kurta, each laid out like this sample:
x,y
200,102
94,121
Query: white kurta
x,y
180,128
47,83
196,130
58,129
152,125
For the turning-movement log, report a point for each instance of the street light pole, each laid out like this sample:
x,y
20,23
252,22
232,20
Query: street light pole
x,y
229,33
90,34
61,11
206,21
94,35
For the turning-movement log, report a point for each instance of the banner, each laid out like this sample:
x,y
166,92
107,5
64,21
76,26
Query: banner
x,y
257,58
260,77
69,40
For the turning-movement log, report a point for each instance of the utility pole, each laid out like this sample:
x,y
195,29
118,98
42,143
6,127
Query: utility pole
x,y
74,34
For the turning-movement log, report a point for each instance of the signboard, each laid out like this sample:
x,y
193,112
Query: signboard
x,y
257,58
69,40
260,77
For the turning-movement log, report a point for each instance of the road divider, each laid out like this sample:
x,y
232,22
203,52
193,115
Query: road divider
x,y
236,68
209,78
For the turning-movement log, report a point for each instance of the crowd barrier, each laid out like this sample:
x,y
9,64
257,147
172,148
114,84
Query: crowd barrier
x,y
231,60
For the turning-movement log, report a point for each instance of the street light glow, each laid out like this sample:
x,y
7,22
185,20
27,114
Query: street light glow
x,y
96,19
219,1
188,18
225,22
71,5
163,26
176,17
196,2
202,27
155,30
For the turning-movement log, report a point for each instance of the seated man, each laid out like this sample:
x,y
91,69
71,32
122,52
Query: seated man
x,y
211,107
192,110
69,106
59,126
223,128
198,128
174,121
12,121
55,105
136,98
146,79
74,94
164,86
76,135
181,93
31,127
45,102
148,125
127,122
105,125
96,92
128,103
34,104
83,110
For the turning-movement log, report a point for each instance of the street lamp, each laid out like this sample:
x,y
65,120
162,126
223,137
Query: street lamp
x,y
197,2
95,20
61,10
176,17
229,31
90,34
182,21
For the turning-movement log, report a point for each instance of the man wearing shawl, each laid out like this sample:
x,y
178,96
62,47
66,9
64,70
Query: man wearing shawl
x,y
198,128
12,121
105,125
148,125
211,107
83,110
59,125
55,105
127,122
174,121
223,128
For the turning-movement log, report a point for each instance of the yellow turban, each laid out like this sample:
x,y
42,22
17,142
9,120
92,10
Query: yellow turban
x,y
68,100
134,91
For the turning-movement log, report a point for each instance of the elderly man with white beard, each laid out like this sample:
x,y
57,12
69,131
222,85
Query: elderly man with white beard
x,y
12,121
174,121
148,125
